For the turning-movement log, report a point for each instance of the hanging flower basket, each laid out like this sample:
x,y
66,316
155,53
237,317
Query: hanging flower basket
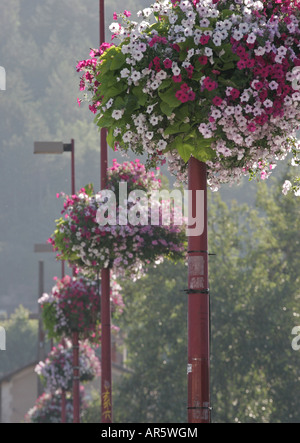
x,y
124,244
56,372
74,306
47,408
215,79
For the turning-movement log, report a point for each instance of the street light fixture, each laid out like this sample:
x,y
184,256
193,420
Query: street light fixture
x,y
43,247
48,148
58,148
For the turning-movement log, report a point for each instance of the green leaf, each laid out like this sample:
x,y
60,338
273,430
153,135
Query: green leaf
x,y
227,66
229,56
203,150
113,91
119,103
183,112
104,68
166,109
110,137
178,127
131,103
89,189
197,76
184,149
193,144
170,98
106,121
226,13
141,96
184,47
165,84
228,82
118,61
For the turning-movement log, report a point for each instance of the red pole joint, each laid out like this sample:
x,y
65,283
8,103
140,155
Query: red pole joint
x,y
198,370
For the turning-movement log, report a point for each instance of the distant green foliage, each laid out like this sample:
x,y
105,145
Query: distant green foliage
x,y
21,341
47,39
154,321
92,413
254,282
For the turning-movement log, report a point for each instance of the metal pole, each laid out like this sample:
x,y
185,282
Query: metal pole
x,y
63,392
106,378
41,333
199,410
106,375
75,336
76,376
63,407
103,146
102,21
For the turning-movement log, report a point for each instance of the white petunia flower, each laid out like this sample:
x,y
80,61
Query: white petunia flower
x,y
153,120
251,38
117,114
147,12
135,76
287,186
114,27
260,51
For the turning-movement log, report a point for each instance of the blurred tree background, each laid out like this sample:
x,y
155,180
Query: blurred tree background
x,y
255,296
254,281
41,44
254,277
21,341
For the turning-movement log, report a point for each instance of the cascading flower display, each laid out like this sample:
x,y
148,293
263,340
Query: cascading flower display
x,y
56,372
47,408
74,306
216,79
127,240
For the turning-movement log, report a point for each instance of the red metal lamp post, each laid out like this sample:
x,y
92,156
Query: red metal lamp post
x,y
106,377
199,410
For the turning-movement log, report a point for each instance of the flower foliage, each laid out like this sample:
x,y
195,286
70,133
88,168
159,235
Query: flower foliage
x,y
47,408
81,239
216,79
74,306
56,372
